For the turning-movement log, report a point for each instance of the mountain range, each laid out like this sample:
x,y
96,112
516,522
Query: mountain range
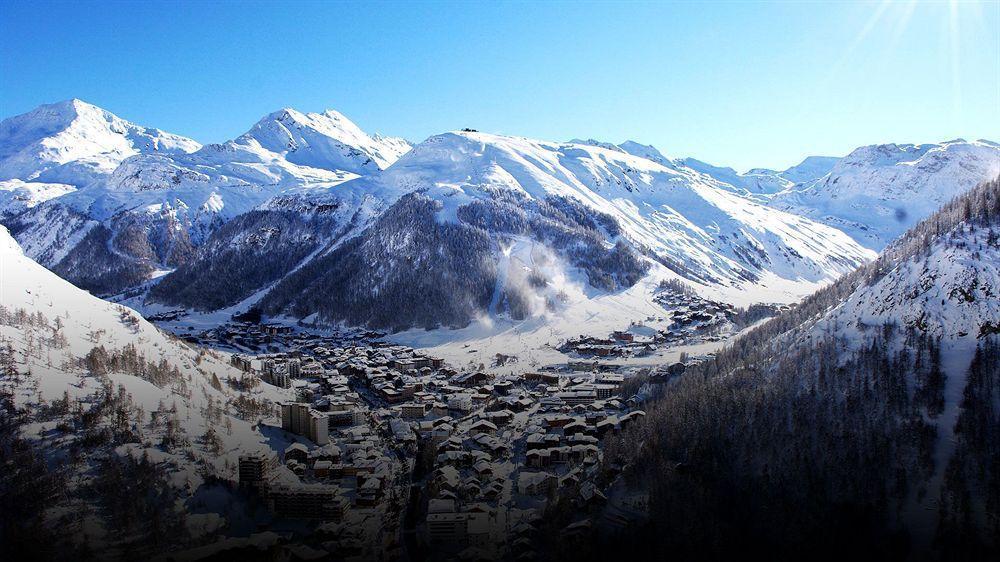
x,y
307,205
858,422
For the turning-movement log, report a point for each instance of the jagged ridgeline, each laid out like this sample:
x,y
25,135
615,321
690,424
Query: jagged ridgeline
x,y
860,424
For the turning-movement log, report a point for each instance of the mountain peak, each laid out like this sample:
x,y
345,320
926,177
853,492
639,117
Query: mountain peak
x,y
327,140
74,142
646,151
598,144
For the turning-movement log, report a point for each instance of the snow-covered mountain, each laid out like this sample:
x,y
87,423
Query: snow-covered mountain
x,y
75,143
875,395
464,203
877,192
761,183
313,191
940,278
667,212
758,183
325,140
153,209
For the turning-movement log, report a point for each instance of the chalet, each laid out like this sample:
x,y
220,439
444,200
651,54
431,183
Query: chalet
x,y
536,483
275,329
542,441
603,350
623,336
414,410
321,469
606,425
470,379
483,426
491,444
630,417
296,451
328,452
547,378
442,432
390,394
538,458
502,388
556,420
503,417
574,427
483,468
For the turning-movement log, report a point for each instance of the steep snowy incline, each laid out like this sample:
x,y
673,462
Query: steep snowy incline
x,y
85,322
875,396
140,393
939,282
683,219
75,143
877,192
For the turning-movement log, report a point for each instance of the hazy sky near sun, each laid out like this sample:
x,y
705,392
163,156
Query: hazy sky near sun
x,y
744,84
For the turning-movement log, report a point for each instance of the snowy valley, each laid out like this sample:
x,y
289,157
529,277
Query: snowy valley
x,y
313,342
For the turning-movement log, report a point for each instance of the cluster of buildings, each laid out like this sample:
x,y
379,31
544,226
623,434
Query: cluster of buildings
x,y
388,447
692,320
253,337
619,344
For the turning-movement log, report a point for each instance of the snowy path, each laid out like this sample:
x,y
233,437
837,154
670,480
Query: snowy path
x,y
921,514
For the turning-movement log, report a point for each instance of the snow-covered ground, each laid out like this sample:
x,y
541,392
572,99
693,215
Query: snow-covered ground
x,y
84,322
17,196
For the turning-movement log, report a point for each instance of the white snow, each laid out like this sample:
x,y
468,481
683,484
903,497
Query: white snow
x,y
878,192
674,212
75,143
17,196
286,154
88,322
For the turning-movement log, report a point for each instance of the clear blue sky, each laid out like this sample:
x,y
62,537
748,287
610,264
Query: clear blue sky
x,y
736,83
